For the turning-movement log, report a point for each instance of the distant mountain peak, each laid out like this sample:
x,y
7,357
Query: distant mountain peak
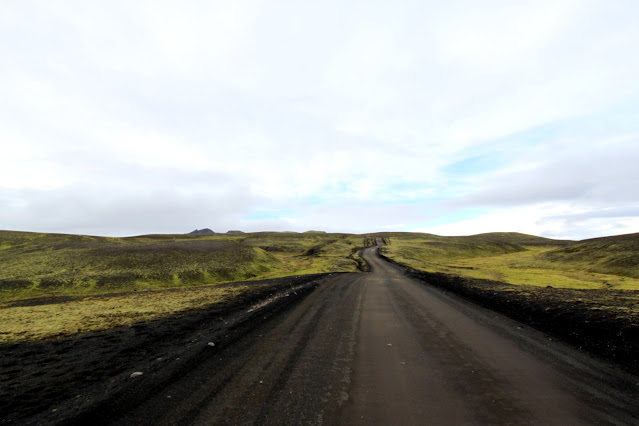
x,y
202,231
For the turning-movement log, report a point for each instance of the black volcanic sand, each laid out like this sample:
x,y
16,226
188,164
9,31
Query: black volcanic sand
x,y
604,323
58,378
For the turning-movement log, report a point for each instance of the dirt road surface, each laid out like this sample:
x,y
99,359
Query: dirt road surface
x,y
379,348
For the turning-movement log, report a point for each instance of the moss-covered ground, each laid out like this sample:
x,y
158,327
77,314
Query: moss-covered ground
x,y
109,282
44,265
609,263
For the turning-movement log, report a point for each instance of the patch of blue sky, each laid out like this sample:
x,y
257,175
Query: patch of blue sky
x,y
262,214
409,193
448,217
328,198
493,154
620,119
475,165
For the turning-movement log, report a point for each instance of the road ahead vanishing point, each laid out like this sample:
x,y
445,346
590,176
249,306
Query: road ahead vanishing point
x,y
379,348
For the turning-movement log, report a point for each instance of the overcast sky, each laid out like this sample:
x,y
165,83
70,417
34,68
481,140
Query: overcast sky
x,y
458,117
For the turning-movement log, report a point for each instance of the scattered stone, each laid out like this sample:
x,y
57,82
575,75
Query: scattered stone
x,y
389,344
136,374
211,344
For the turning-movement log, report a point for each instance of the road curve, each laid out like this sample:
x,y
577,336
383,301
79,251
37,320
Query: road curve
x,y
379,348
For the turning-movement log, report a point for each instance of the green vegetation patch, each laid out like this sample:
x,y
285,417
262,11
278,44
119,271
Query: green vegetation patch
x,y
41,265
92,313
522,259
618,255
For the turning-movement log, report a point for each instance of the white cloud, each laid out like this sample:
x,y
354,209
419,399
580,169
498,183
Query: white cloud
x,y
548,220
327,106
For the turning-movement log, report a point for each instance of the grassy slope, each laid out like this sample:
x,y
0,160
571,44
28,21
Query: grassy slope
x,y
522,259
35,264
617,255
106,270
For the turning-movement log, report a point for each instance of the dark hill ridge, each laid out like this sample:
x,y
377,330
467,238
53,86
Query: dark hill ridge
x,y
205,231
622,239
202,231
489,237
428,246
516,238
501,238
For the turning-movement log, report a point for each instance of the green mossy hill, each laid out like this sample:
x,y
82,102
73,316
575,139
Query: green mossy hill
x,y
617,255
38,264
515,238
602,263
436,248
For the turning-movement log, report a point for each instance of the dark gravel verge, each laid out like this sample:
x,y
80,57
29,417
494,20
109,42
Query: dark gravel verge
x,y
70,380
604,323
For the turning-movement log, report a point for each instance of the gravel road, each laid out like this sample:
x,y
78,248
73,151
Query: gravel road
x,y
380,348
